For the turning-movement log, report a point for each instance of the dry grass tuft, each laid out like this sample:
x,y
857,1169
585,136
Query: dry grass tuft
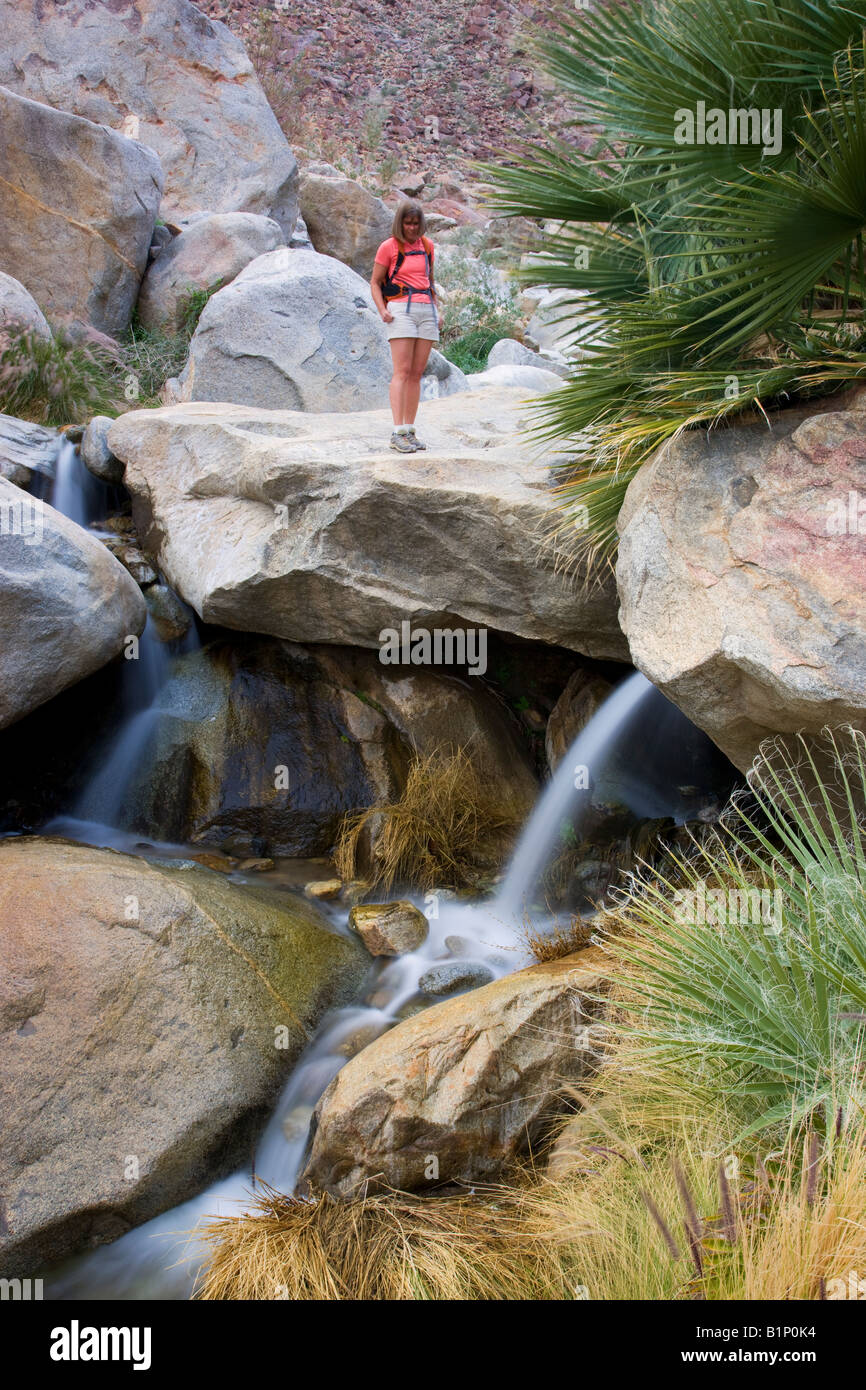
x,y
391,1246
445,831
632,1217
563,940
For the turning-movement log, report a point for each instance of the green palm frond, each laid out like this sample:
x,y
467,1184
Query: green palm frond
x,y
707,280
763,996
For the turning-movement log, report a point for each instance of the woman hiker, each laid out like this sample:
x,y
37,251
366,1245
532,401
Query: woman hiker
x,y
403,292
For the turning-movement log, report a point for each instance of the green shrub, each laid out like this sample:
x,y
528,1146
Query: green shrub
x,y
148,358
191,307
469,352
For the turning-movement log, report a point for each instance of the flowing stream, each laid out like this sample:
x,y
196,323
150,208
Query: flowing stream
x,y
629,743
161,1258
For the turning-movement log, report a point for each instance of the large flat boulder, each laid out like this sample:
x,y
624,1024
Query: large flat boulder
x,y
66,605
742,576
78,204
148,1017
159,70
344,219
210,250
308,527
342,728
294,330
453,1093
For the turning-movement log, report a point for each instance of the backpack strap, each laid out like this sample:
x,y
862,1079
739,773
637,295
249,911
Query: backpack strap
x,y
428,256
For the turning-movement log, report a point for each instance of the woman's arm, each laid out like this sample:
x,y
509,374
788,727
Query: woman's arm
x,y
376,290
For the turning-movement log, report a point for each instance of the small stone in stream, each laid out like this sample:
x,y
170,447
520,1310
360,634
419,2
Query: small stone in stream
x,y
136,562
460,946
255,866
533,720
324,888
171,619
120,525
221,863
361,1037
450,976
74,433
389,929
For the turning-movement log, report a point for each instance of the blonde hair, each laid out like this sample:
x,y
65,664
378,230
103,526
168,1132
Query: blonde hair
x,y
408,205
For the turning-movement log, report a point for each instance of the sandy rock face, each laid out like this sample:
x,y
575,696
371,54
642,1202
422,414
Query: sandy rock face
x,y
210,250
77,210
467,1082
309,527
742,576
66,604
161,72
293,331
139,1008
344,219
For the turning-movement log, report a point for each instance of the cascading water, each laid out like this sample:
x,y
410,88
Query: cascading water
x,y
103,806
101,809
571,784
161,1259
76,492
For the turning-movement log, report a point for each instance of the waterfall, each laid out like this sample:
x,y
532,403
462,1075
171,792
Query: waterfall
x,y
102,804
161,1258
76,493
103,812
569,790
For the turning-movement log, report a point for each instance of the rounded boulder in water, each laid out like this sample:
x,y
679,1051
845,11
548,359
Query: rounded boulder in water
x,y
450,976
389,929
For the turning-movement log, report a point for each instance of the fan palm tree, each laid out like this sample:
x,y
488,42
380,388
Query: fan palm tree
x,y
707,279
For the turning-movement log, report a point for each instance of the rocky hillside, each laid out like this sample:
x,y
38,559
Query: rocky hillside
x,y
432,88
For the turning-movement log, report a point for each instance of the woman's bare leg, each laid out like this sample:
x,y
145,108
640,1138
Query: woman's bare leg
x,y
402,350
420,358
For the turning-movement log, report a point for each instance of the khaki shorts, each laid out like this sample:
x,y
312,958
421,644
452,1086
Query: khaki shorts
x,y
417,320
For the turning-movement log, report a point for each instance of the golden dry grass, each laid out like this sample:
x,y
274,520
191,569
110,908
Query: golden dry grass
x,y
446,828
606,1220
563,939
391,1246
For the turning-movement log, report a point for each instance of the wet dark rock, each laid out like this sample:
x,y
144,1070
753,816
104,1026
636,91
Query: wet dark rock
x,y
451,976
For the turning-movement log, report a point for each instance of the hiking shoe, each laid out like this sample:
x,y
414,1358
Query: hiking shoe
x,y
402,443
415,440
